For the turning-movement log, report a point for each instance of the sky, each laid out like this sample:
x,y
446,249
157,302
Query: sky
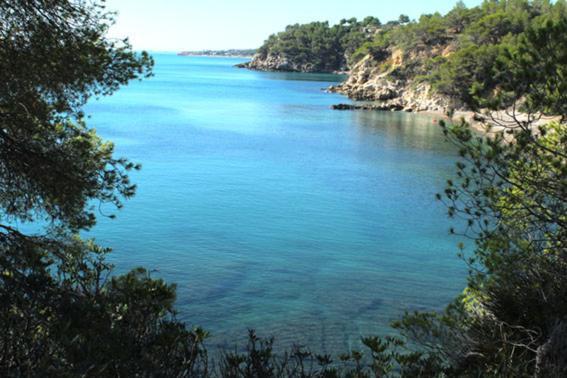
x,y
178,25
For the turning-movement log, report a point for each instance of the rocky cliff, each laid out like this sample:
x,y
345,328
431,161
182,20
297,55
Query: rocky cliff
x,y
386,83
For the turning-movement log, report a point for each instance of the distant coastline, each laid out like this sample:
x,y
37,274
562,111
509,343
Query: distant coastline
x,y
232,53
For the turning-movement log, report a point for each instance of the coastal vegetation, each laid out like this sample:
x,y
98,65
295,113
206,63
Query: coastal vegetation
x,y
435,63
64,312
314,47
442,62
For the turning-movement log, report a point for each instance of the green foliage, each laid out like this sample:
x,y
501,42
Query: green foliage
x,y
381,357
468,74
483,71
510,191
61,312
319,47
63,315
535,70
460,17
465,54
529,67
511,195
403,19
52,62
469,55
430,30
411,37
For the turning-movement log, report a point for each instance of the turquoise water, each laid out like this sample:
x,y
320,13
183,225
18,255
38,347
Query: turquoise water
x,y
269,210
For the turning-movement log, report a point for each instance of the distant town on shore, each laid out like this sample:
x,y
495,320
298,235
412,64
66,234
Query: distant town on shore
x,y
226,53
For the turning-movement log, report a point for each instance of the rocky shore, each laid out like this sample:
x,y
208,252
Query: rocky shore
x,y
274,63
278,63
374,82
379,106
369,82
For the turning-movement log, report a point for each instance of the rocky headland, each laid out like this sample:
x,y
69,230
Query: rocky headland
x,y
316,47
442,64
386,83
276,63
390,80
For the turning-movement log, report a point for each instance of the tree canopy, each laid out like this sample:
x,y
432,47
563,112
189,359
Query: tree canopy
x,y
61,311
319,47
510,190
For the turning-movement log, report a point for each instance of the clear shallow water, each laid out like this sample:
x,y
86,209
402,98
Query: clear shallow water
x,y
269,210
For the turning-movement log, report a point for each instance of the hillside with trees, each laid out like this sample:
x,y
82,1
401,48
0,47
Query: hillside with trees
x,y
442,63
428,64
314,47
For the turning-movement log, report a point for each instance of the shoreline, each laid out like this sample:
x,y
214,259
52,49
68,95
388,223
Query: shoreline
x,y
476,120
247,66
468,116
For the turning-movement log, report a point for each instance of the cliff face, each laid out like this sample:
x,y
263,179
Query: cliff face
x,y
387,85
377,81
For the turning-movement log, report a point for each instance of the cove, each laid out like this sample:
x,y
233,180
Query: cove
x,y
271,211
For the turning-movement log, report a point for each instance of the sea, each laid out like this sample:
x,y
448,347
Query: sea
x,y
271,211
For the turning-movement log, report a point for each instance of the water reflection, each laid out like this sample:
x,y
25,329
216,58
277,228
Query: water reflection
x,y
298,76
408,130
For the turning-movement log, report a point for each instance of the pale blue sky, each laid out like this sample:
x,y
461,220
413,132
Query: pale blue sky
x,y
174,25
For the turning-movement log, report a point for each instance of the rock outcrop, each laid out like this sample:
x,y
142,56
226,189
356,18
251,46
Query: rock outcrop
x,y
377,106
376,81
386,81
276,63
